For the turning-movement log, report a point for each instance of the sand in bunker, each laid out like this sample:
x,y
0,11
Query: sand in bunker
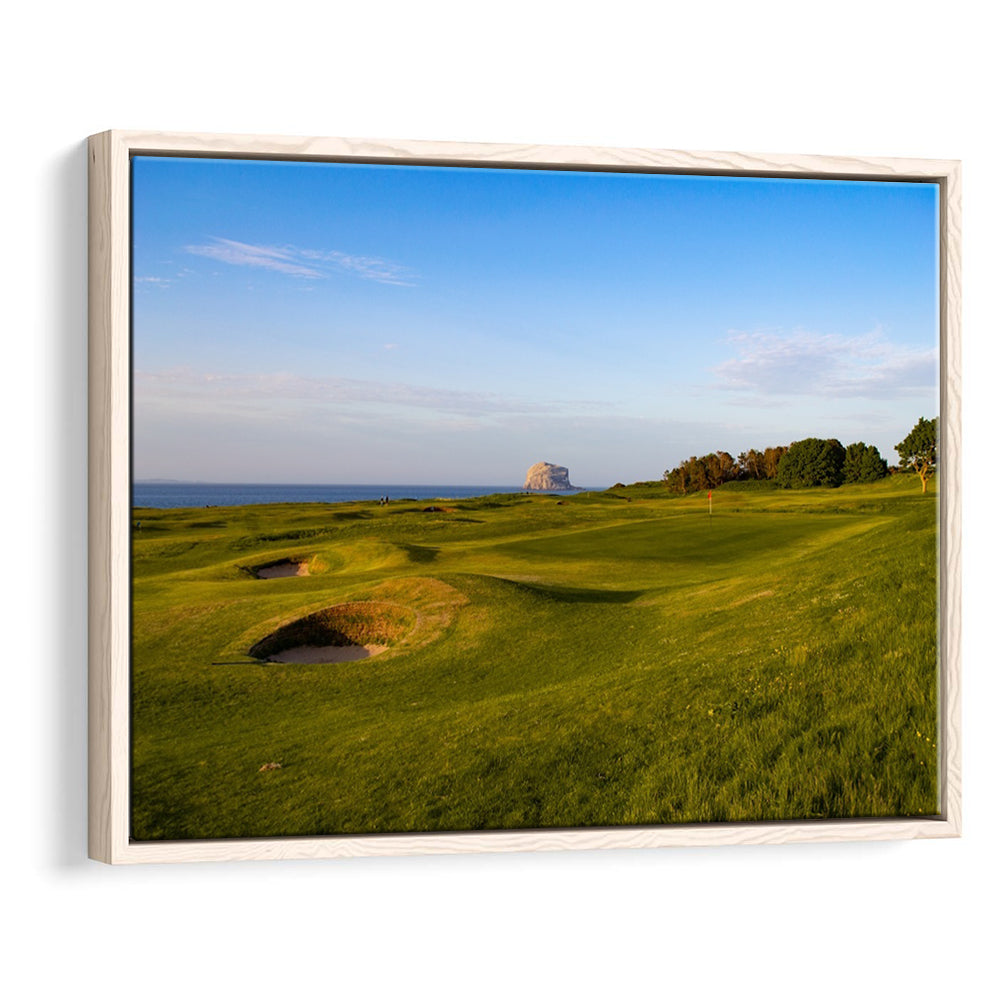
x,y
281,569
326,654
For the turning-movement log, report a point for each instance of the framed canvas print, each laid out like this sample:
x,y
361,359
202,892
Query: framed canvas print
x,y
455,497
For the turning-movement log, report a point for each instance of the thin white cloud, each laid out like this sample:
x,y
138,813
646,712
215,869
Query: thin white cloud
x,y
152,280
282,259
372,268
222,390
303,263
830,365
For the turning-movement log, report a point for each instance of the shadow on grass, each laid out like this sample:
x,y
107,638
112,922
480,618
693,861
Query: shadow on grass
x,y
420,553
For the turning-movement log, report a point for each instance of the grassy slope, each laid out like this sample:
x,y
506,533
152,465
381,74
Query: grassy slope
x,y
614,658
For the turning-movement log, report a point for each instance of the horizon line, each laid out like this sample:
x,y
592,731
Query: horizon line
x,y
159,481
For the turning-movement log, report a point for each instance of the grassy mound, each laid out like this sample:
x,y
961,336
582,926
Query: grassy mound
x,y
358,623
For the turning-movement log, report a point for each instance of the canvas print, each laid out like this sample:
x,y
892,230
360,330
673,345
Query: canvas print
x,y
475,498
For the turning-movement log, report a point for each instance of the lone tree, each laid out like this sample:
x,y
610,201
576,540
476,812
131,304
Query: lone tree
x,y
918,450
863,463
812,462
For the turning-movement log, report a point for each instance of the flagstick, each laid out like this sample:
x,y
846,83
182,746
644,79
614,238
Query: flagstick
x,y
709,503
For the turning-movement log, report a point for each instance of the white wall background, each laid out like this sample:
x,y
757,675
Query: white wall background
x,y
911,79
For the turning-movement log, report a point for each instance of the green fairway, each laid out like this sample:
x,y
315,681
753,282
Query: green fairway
x,y
601,659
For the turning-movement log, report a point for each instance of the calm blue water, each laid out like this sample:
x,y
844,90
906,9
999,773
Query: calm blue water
x,y
233,494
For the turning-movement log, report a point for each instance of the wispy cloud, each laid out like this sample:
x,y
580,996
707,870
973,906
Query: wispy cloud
x,y
832,365
281,259
372,268
151,280
220,390
303,263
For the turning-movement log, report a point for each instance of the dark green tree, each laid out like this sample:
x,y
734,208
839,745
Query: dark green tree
x,y
812,462
863,463
918,450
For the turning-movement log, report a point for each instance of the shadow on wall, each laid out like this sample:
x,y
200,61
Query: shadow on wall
x,y
66,452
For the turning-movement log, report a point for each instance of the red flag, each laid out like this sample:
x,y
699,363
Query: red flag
x,y
709,494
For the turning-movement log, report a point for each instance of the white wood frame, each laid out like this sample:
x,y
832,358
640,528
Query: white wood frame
x,y
110,375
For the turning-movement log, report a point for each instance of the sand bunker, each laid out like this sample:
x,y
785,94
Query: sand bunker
x,y
352,631
326,654
284,567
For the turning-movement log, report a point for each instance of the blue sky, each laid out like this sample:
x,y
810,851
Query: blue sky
x,y
347,323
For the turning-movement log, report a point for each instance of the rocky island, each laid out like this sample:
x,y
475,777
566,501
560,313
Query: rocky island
x,y
546,476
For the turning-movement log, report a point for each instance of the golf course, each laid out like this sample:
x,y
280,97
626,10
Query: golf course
x,y
524,661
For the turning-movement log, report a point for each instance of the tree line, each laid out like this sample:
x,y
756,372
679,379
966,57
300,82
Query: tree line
x,y
809,462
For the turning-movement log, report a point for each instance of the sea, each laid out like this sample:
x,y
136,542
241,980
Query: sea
x,y
172,494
